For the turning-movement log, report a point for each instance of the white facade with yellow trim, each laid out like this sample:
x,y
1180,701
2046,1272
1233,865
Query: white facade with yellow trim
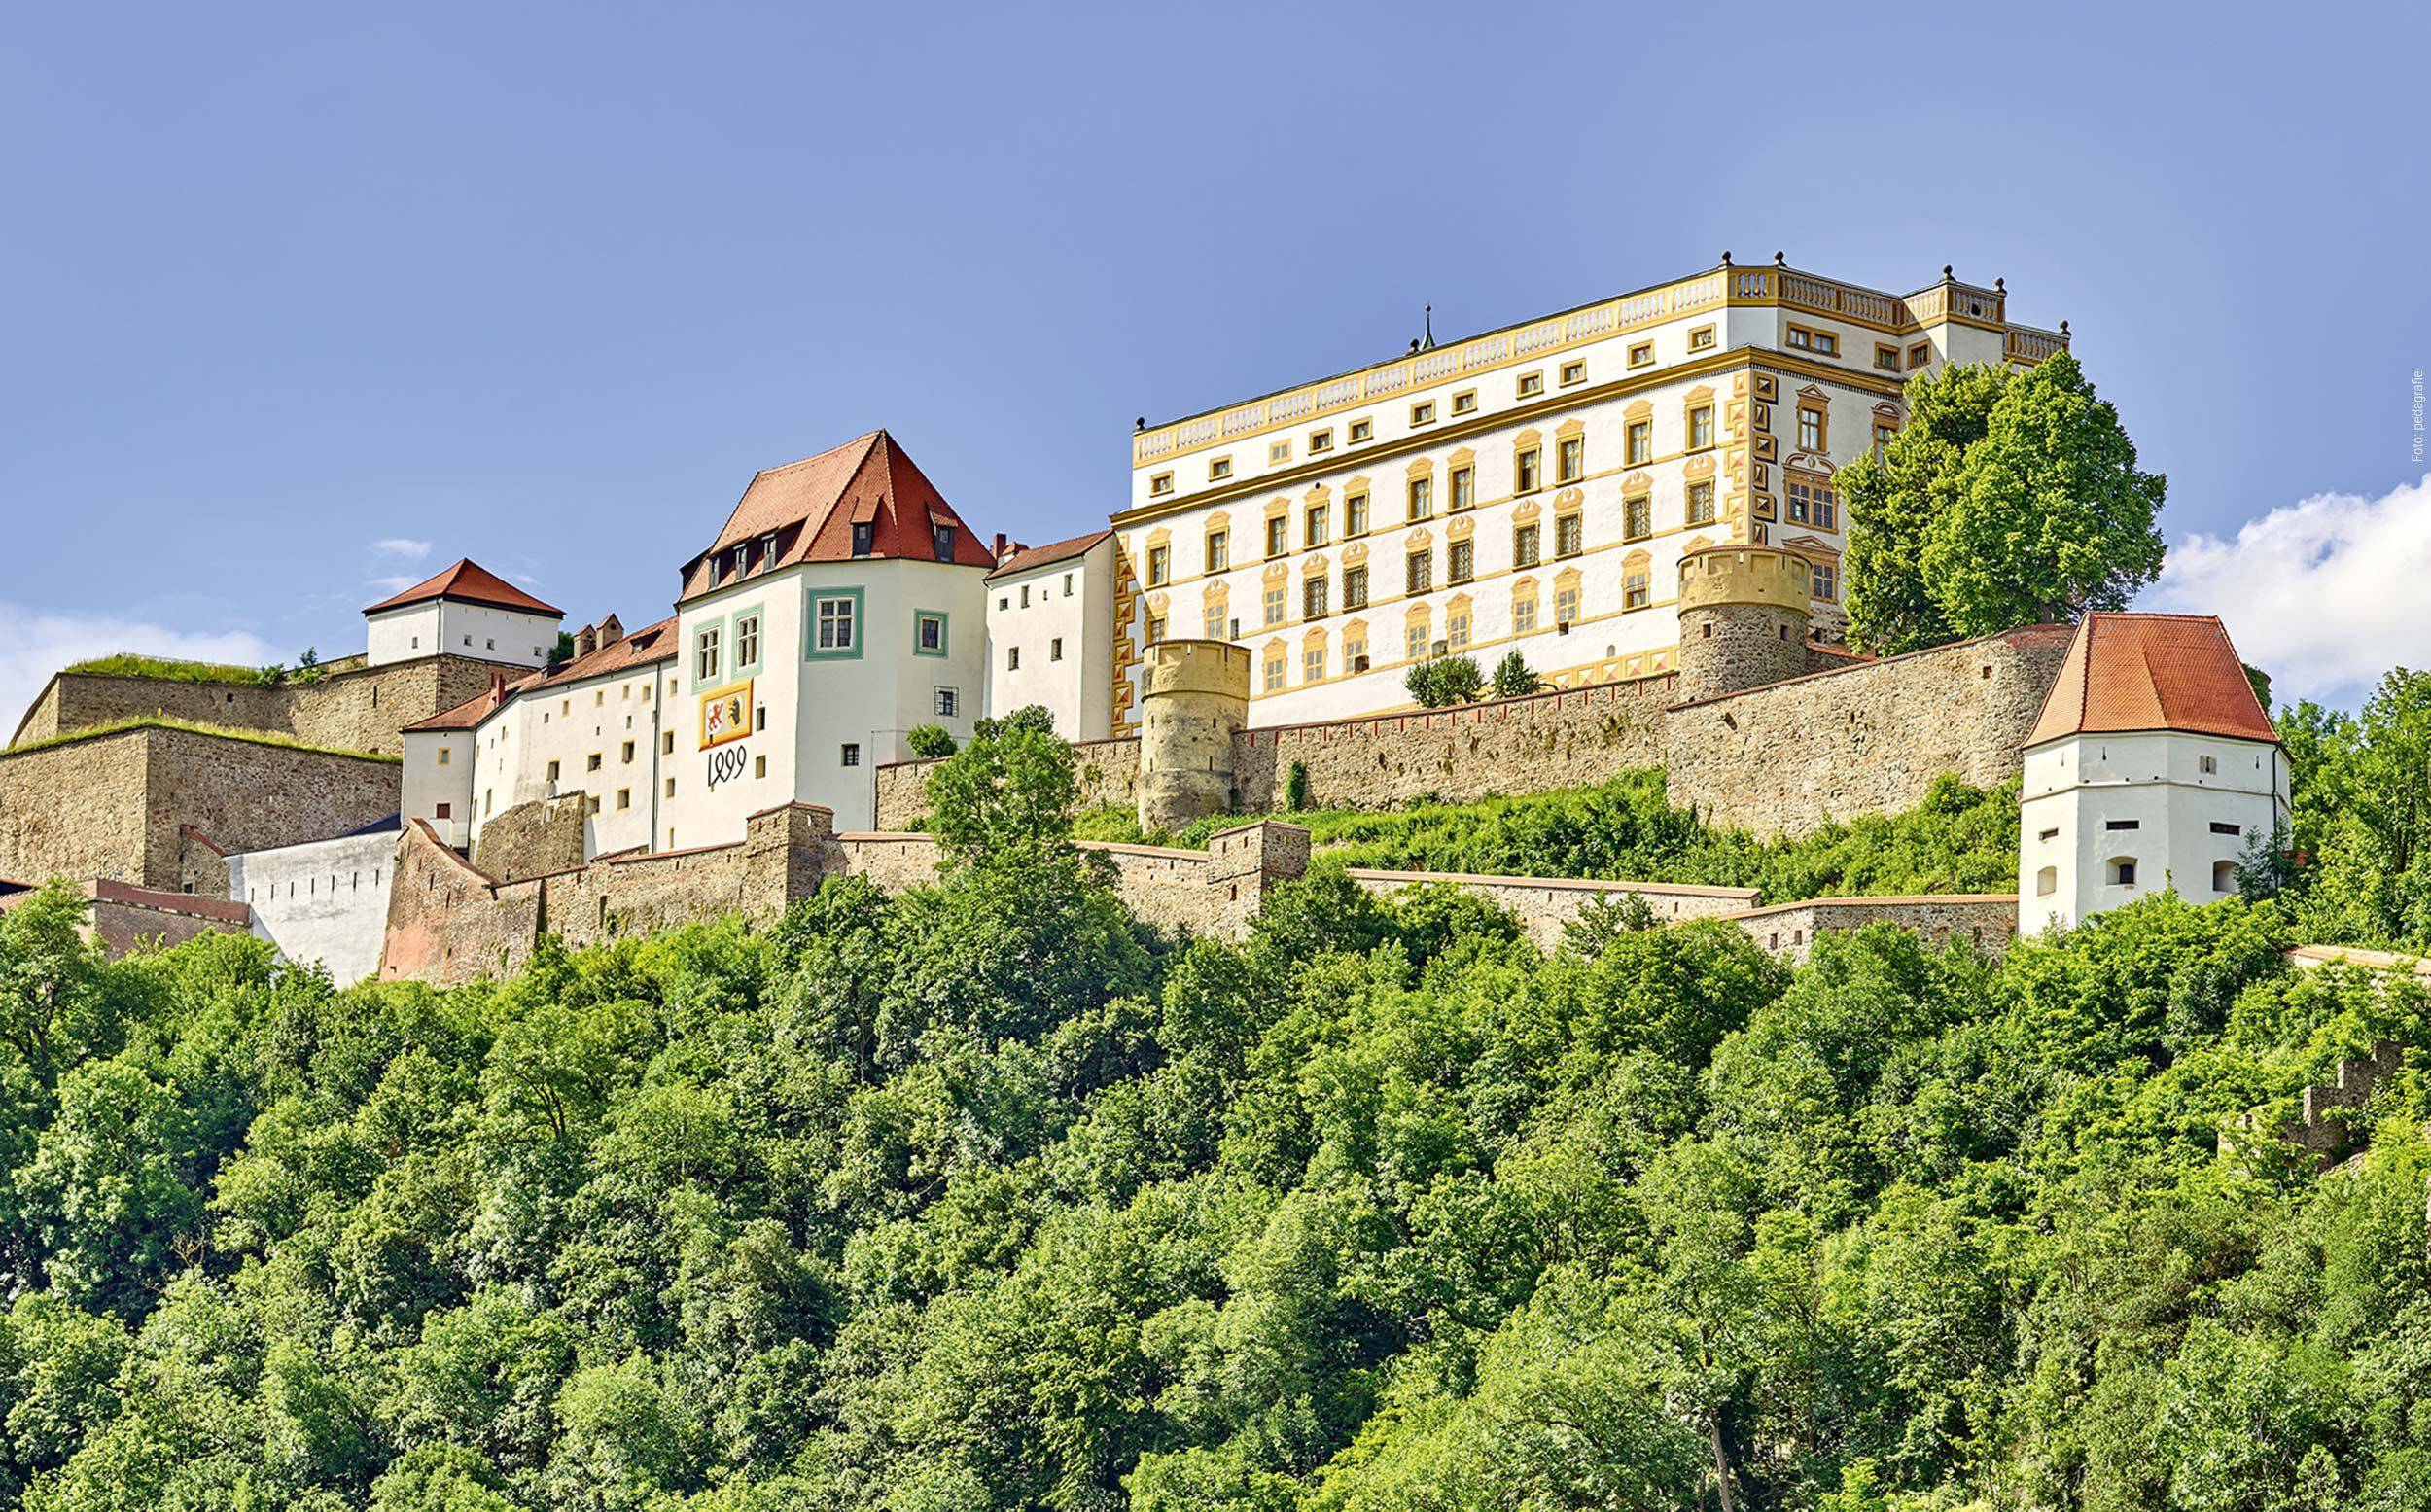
x,y
1530,489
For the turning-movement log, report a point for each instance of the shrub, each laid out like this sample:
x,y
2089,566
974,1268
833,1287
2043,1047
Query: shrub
x,y
1446,680
929,742
1514,679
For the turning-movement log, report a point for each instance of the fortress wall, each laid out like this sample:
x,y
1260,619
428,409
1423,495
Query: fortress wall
x,y
247,796
361,708
77,811
533,839
1866,739
1108,772
1985,922
1544,905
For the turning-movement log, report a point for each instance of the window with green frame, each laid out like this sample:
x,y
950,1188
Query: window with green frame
x,y
833,627
927,632
747,636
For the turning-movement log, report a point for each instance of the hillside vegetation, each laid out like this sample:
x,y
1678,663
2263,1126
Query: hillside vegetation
x,y
126,665
192,727
1961,839
981,1198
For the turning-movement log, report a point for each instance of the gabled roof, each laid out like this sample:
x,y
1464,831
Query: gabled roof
x,y
2151,672
1029,558
470,583
812,505
645,647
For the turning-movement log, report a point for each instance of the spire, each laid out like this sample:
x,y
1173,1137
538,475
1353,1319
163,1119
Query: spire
x,y
1427,343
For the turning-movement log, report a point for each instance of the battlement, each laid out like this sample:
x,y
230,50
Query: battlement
x,y
1713,575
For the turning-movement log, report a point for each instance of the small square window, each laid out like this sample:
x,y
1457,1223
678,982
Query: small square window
x,y
1160,484
1220,470
1920,354
1319,441
1573,373
625,795
1641,354
851,754
1701,339
1465,403
1531,384
1886,358
1422,414
1362,431
949,702
1277,452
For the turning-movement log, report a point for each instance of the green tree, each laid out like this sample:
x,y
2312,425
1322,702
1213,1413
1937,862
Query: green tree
x,y
1513,678
1440,681
1012,787
1896,495
929,742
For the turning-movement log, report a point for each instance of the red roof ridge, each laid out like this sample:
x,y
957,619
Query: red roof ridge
x,y
1053,551
469,581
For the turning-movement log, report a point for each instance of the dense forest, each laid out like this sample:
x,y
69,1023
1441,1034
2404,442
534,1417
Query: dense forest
x,y
984,1197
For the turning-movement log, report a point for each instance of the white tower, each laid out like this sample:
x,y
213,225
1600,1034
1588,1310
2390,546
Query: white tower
x,y
2152,766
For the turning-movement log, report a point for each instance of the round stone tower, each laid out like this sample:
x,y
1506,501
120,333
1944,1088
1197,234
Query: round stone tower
x,y
1743,620
1197,698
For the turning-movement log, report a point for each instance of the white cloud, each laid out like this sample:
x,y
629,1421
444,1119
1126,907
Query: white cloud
x,y
394,584
400,546
34,645
2325,594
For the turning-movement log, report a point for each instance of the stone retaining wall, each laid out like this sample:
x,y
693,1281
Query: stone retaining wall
x,y
1985,922
121,806
125,917
1544,904
353,708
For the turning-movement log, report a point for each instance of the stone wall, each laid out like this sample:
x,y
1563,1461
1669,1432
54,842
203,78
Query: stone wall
x,y
120,806
125,918
1544,904
533,839
1987,922
351,709
1107,771
1864,739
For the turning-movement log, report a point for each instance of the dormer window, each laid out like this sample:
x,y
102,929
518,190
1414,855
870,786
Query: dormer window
x,y
862,537
941,542
742,558
768,549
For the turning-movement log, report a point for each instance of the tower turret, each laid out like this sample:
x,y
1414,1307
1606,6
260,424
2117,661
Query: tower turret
x,y
1196,700
1742,618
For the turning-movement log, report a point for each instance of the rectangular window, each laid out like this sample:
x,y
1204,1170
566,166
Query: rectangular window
x,y
1220,470
1827,509
1810,429
1355,650
2218,827
553,768
1573,373
1277,452
1313,599
929,632
1157,630
592,762
624,752
1524,463
446,756
2209,765
1700,502
1456,630
1886,358
1920,354
1701,428
1634,589
1055,648
1067,584
1568,536
1355,587
1318,525
1215,620
1355,514
1531,384
1640,353
1160,484
949,702
1012,658
1278,536
1524,546
666,743
1465,403
1524,614
1824,579
2123,824
1569,459
1640,442
1422,498
443,811
1419,572
850,755
1361,431
1414,640
705,660
1637,519
1463,488
1313,663
1218,550
1274,673
1273,602
1422,414
862,538
1701,339
1566,605
942,542
1801,501
835,625
1461,561
1161,568
1319,441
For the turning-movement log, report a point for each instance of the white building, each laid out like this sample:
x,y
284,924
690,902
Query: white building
x,y
1050,633
466,610
1530,489
325,902
2151,766
841,605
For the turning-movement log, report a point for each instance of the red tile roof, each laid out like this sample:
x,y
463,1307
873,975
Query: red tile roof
x,y
812,505
472,584
645,647
1029,558
2151,672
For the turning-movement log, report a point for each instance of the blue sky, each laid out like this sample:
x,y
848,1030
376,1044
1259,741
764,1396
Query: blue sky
x,y
299,299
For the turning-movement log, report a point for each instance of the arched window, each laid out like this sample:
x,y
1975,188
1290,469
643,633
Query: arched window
x,y
2122,871
2047,882
2224,876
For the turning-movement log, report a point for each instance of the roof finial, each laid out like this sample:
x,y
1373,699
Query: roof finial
x,y
1428,342
2064,328
1944,272
1726,257
2000,286
1780,261
1139,422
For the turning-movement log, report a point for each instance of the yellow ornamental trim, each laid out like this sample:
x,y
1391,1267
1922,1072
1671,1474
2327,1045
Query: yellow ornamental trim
x,y
1527,513
1700,466
1422,466
1642,410
1354,553
1568,499
1700,394
1218,520
1160,536
1278,505
1317,495
1313,567
1638,484
1526,438
1420,538
1277,571
1569,427
1461,457
1461,529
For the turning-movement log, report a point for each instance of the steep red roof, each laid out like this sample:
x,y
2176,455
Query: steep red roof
x,y
2151,672
470,583
812,505
645,647
1031,557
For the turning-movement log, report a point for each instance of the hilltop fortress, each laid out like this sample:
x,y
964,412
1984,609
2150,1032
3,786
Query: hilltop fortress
x,y
1636,496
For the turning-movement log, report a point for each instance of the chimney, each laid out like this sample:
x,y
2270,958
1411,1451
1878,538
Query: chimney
x,y
585,640
610,630
1000,545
